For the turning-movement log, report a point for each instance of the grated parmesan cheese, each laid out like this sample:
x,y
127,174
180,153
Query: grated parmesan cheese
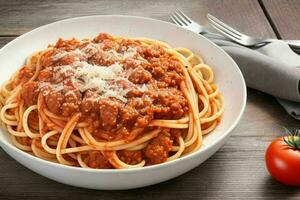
x,y
130,53
75,52
102,79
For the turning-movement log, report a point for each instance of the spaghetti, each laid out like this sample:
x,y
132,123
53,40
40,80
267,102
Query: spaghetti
x,y
111,102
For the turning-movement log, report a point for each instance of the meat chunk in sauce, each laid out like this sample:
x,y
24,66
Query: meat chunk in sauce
x,y
107,41
54,100
30,93
109,111
72,100
157,151
153,51
45,75
169,104
128,115
95,159
153,93
24,75
130,157
139,75
89,102
67,45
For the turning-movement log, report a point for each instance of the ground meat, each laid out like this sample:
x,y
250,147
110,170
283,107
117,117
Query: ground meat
x,y
72,100
176,133
24,75
107,41
153,93
169,79
168,72
130,157
29,93
25,140
128,115
130,43
138,112
150,79
46,59
158,71
110,44
121,83
109,111
166,63
143,121
89,49
95,159
169,104
157,151
134,93
54,100
153,51
68,59
67,45
130,63
139,75
45,75
89,102
99,58
101,37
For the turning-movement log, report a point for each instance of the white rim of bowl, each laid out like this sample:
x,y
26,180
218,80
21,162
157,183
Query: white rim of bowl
x,y
165,164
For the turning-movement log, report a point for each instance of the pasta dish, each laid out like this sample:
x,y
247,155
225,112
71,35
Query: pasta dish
x,y
111,102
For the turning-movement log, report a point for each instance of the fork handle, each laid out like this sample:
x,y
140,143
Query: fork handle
x,y
293,43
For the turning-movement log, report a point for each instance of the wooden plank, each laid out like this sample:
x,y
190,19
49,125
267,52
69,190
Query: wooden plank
x,y
17,17
5,40
285,16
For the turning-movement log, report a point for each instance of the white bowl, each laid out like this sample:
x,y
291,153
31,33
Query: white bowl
x,y
228,78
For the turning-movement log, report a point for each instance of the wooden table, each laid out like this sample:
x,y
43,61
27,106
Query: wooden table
x,y
236,171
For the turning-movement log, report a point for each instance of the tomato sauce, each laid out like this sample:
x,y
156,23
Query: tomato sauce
x,y
145,66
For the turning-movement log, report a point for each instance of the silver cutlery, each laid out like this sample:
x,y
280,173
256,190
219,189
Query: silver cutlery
x,y
181,19
242,38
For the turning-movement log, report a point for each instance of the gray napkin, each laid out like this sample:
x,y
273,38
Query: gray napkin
x,y
272,68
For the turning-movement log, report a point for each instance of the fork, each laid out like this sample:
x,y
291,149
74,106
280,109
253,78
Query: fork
x,y
181,19
244,39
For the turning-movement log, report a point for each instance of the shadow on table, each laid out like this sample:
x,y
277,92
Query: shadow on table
x,y
32,186
193,185
274,189
268,105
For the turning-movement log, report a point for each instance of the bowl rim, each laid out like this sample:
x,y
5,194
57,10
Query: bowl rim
x,y
130,170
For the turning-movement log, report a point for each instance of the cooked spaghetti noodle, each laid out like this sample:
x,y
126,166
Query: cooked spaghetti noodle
x,y
111,102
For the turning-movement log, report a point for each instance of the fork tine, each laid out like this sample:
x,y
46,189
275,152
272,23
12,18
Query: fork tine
x,y
226,34
179,18
223,30
175,20
217,21
185,16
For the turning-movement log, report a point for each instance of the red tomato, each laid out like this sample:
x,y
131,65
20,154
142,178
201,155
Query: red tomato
x,y
283,162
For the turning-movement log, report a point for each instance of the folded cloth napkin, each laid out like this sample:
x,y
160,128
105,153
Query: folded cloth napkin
x,y
273,68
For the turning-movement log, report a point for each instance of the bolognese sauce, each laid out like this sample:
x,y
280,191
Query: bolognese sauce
x,y
111,102
148,74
